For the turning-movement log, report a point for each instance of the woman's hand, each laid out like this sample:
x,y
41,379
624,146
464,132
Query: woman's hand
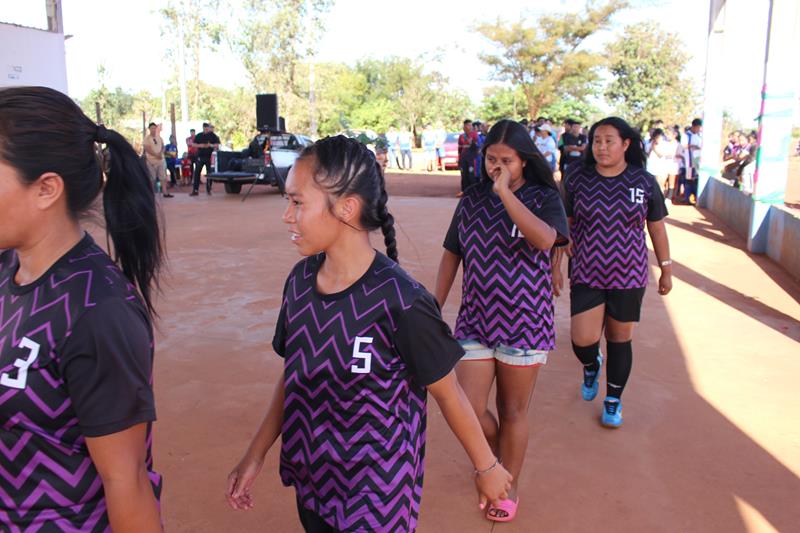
x,y
493,485
240,480
665,282
502,179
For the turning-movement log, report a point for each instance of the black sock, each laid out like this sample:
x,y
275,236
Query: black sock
x,y
620,360
587,355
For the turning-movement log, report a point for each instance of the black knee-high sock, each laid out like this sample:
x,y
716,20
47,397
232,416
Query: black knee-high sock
x,y
620,359
588,356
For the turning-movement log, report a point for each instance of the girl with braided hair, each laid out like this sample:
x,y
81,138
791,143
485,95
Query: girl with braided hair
x,y
362,343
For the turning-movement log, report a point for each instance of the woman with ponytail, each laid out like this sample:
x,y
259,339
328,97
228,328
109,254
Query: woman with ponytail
x,y
76,341
362,344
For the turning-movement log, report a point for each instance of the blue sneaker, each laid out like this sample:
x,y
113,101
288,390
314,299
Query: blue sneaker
x,y
591,380
612,413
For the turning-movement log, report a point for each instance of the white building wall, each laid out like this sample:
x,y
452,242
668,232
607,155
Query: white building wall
x,y
32,57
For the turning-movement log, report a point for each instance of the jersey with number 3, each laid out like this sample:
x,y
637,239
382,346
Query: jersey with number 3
x,y
75,362
356,364
609,250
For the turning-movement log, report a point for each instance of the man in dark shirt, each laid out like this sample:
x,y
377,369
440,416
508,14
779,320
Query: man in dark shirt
x,y
206,143
573,145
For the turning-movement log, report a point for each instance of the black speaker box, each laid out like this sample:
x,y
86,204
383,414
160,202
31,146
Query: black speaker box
x,y
267,111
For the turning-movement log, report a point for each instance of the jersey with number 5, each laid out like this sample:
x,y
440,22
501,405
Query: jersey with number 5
x,y
356,364
609,249
75,361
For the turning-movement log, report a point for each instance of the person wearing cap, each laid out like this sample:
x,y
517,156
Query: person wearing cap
x,y
206,142
154,155
546,144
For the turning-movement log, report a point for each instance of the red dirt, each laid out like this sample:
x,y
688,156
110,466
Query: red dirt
x,y
710,443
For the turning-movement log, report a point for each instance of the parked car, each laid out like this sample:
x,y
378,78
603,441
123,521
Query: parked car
x,y
236,168
450,146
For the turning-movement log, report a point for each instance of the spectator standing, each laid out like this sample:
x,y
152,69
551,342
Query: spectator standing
x,y
467,150
191,148
154,155
441,137
667,150
186,169
429,146
405,139
694,142
573,144
206,142
546,144
393,148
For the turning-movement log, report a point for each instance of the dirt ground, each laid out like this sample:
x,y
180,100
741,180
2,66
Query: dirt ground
x,y
710,443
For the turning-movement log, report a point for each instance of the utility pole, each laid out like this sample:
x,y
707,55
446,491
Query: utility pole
x,y
182,65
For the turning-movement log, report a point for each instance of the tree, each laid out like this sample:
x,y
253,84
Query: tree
x,y
273,37
649,83
197,22
546,60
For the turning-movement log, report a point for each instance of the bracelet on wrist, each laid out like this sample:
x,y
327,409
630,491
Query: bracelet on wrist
x,y
477,472
666,262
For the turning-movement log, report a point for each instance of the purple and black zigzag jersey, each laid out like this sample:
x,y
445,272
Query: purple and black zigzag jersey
x,y
356,364
76,352
507,290
609,250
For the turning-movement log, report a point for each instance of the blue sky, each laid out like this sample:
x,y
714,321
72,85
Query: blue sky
x,y
126,38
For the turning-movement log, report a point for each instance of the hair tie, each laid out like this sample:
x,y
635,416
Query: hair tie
x,y
101,135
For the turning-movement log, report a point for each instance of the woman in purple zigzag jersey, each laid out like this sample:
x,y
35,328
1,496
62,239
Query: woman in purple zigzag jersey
x,y
76,341
362,344
504,229
610,199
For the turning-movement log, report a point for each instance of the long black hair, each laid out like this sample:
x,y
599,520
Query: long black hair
x,y
43,130
345,167
514,135
635,154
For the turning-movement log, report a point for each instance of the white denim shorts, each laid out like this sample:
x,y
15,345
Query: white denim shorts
x,y
475,351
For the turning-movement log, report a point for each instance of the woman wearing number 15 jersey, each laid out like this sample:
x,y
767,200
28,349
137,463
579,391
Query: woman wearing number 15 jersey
x,y
609,200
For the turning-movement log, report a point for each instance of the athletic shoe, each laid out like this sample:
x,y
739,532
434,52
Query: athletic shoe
x,y
612,413
591,381
193,193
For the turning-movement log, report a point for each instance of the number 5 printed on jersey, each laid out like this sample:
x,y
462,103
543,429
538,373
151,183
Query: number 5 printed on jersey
x,y
22,365
365,356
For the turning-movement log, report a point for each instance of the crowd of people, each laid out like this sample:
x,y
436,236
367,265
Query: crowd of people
x,y
362,342
738,159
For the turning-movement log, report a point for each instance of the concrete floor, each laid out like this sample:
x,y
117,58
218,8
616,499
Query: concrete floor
x,y
711,440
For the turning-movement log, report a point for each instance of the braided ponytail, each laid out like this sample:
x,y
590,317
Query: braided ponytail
x,y
387,222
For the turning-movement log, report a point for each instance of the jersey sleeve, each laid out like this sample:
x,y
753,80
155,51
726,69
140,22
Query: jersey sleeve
x,y
551,211
107,364
656,206
279,339
451,240
425,343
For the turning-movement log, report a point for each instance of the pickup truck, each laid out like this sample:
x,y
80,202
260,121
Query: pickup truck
x,y
236,168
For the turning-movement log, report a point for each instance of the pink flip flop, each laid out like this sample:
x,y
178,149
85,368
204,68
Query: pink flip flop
x,y
509,507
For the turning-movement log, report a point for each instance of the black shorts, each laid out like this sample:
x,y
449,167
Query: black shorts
x,y
623,305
